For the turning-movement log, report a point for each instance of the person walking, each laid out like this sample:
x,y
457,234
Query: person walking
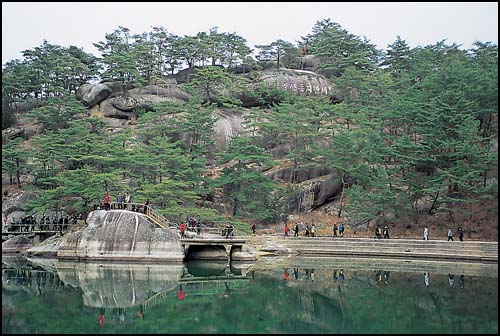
x,y
296,233
341,230
254,228
450,234
313,230
386,232
426,233
198,228
461,234
286,229
335,230
228,230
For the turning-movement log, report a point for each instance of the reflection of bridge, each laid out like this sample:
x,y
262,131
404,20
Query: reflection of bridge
x,y
202,286
40,281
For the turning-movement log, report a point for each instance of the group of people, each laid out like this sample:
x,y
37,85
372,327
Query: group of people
x,y
191,225
123,202
449,234
378,232
340,228
310,230
451,280
460,234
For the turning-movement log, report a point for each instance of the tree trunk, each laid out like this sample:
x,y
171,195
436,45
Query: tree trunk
x,y
18,175
342,195
434,203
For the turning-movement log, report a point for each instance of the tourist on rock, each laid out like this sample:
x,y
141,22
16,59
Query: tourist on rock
x,y
254,228
341,230
107,201
313,230
145,206
426,233
335,230
286,230
127,201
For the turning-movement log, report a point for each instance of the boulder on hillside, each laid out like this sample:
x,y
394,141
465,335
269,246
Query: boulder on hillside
x,y
315,193
118,88
92,94
106,109
172,91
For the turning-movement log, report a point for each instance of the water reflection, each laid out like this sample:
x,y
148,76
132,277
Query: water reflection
x,y
247,298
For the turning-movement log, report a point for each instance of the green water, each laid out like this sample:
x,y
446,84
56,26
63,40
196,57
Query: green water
x,y
272,296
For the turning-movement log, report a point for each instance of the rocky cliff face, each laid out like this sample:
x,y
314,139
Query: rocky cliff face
x,y
120,235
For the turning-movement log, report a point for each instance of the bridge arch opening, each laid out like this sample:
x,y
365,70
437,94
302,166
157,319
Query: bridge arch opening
x,y
210,252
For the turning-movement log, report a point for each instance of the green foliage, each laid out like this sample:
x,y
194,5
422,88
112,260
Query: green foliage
x,y
55,113
283,52
329,39
248,189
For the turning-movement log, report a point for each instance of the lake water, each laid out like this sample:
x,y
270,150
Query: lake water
x,y
274,295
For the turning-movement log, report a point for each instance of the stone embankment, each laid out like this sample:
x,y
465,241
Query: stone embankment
x,y
369,247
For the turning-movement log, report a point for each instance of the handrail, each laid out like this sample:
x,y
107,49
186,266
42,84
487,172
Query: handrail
x,y
161,221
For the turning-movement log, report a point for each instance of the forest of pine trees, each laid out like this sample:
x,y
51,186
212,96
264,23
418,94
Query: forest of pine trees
x,y
408,126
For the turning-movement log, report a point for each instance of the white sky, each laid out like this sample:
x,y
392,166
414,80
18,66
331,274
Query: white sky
x,y
25,24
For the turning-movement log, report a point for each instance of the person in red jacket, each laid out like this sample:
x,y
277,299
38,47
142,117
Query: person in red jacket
x,y
183,230
107,201
286,230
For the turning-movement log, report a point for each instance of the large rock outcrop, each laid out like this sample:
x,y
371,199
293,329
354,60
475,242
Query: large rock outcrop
x,y
314,193
121,235
92,94
299,82
16,244
124,105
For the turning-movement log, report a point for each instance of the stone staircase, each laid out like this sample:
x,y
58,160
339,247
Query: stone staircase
x,y
369,247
